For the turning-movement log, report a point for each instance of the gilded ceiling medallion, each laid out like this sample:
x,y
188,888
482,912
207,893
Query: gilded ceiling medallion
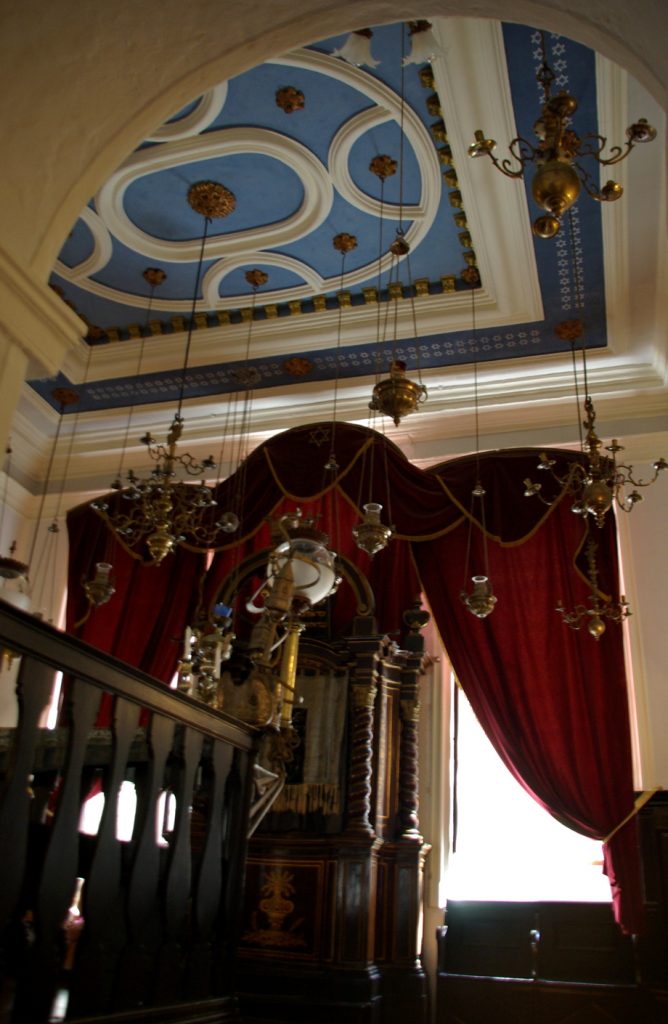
x,y
569,330
289,99
154,276
211,199
470,276
383,166
344,243
256,278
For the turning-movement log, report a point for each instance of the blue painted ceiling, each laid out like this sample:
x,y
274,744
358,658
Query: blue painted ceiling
x,y
101,274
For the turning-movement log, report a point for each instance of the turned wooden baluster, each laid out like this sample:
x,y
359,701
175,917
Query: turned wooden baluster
x,y
104,929
143,909
209,884
33,689
176,893
55,886
238,792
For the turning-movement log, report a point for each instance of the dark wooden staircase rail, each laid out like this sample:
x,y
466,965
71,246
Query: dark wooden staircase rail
x,y
155,935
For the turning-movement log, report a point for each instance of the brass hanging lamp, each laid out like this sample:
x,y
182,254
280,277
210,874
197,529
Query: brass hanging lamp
x,y
481,600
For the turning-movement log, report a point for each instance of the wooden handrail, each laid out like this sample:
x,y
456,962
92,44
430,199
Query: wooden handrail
x,y
25,634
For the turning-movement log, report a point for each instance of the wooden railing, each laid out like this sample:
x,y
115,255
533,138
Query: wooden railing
x,y
153,934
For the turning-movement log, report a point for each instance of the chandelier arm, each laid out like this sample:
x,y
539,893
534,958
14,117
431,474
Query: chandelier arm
x,y
191,465
522,156
588,184
593,145
622,479
157,452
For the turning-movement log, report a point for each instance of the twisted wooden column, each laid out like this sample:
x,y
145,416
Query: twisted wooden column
x,y
416,618
359,791
362,700
408,749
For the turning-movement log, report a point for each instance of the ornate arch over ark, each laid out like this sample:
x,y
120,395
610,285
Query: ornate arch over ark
x,y
552,701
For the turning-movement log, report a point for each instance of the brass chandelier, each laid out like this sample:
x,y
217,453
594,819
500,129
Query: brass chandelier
x,y
159,509
599,608
559,175
598,482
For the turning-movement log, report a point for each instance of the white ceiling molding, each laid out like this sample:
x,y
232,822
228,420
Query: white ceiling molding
x,y
99,257
204,113
317,202
425,155
215,275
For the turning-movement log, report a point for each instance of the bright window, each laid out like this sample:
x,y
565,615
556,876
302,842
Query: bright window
x,y
508,847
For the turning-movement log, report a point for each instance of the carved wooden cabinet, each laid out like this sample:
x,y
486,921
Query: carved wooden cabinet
x,y
334,875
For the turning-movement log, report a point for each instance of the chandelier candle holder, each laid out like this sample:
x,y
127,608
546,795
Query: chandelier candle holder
x,y
480,601
559,175
597,483
599,608
161,510
371,535
100,588
206,647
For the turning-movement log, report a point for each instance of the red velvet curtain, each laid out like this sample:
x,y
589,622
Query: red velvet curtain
x,y
552,701
144,622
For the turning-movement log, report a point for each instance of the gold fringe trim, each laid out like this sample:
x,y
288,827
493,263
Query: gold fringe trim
x,y
310,796
330,486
